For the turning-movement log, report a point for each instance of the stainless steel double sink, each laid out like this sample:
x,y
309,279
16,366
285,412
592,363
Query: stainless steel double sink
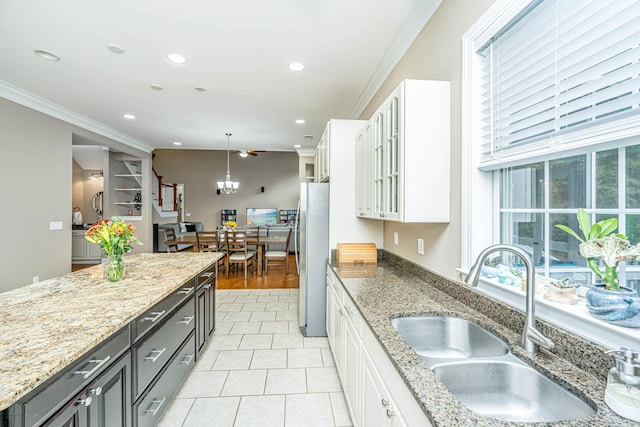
x,y
479,369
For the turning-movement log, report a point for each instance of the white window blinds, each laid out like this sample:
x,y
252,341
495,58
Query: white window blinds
x,y
559,68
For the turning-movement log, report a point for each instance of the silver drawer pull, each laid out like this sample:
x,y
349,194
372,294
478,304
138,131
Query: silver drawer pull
x,y
184,291
187,359
390,413
100,363
156,316
97,391
385,402
207,274
155,402
154,358
86,401
349,310
186,320
207,286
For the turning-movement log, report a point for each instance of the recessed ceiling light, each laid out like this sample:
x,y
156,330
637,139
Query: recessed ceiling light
x,y
129,116
156,87
300,121
297,146
177,143
296,66
200,89
115,48
47,55
176,58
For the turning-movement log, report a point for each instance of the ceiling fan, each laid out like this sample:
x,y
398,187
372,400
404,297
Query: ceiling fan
x,y
245,153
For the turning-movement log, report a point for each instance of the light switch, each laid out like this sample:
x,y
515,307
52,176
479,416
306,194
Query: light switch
x,y
395,238
55,225
420,246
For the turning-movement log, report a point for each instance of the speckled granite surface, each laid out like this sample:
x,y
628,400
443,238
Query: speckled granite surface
x,y
46,326
400,288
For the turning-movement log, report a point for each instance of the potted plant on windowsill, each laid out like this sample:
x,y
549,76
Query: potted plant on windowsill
x,y
601,245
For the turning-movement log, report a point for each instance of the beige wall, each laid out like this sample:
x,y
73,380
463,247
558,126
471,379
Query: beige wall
x,y
36,169
199,170
436,55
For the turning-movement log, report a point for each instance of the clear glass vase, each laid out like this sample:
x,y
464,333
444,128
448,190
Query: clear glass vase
x,y
114,269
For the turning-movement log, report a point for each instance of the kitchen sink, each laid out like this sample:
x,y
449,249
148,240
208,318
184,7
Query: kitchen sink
x,y
479,369
510,391
439,338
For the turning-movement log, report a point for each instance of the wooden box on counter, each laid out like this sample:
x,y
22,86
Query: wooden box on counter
x,y
357,253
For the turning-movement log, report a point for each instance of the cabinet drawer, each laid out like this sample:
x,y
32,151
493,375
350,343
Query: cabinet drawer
x,y
150,408
151,354
40,406
160,311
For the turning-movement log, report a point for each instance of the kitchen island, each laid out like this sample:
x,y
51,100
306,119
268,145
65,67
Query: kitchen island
x,y
48,327
396,288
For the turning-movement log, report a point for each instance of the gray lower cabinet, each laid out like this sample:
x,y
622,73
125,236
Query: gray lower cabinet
x,y
129,379
205,306
150,407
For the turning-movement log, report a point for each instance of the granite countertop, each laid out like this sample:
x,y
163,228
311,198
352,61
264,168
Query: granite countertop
x,y
46,326
394,290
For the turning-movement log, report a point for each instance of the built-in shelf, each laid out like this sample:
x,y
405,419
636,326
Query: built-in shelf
x,y
127,188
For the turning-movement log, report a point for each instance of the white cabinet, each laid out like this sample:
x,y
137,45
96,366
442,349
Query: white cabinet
x,y
378,408
82,251
362,364
410,154
321,161
364,172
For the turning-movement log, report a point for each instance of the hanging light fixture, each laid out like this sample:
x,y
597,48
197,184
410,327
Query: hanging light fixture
x,y
228,186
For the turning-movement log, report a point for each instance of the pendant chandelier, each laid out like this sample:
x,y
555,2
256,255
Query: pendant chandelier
x,y
227,186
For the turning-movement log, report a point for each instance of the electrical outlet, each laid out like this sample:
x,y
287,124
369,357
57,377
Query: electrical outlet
x,y
188,213
55,225
420,246
36,279
395,238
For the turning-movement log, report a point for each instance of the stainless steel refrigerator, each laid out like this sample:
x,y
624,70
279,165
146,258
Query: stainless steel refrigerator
x,y
312,251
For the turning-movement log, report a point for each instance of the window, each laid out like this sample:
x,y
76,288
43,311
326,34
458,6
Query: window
x,y
551,123
536,197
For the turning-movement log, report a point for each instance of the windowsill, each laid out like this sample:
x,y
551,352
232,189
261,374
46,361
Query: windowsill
x,y
574,318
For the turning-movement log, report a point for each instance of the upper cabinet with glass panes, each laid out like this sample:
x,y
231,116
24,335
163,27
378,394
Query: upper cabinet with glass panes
x,y
404,166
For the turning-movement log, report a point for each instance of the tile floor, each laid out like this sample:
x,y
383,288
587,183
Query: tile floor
x,y
258,370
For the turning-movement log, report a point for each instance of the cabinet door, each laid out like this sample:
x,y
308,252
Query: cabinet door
x,y
93,251
74,414
364,172
201,326
111,393
352,368
392,158
78,247
331,320
378,166
378,409
211,307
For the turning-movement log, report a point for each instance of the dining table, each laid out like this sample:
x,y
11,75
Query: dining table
x,y
260,242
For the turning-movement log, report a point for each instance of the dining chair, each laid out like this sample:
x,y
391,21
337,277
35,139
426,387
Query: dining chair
x,y
237,251
209,241
278,257
170,235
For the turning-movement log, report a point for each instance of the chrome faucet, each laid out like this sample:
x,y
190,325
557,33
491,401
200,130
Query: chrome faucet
x,y
532,338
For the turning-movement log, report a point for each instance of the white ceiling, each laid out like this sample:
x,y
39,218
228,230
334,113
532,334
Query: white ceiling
x,y
238,50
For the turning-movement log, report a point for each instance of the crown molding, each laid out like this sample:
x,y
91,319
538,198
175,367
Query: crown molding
x,y
415,21
22,97
306,152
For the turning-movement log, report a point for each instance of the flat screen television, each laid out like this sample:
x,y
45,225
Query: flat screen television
x,y
262,216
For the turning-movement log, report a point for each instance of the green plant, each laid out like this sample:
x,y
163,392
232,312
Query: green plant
x,y
600,242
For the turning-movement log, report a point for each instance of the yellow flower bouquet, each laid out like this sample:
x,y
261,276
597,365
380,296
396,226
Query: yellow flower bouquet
x,y
115,238
231,224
